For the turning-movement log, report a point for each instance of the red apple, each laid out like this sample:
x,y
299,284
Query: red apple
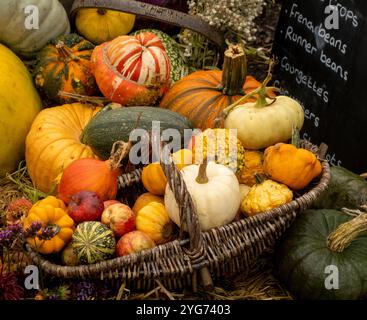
x,y
110,203
133,242
85,206
121,218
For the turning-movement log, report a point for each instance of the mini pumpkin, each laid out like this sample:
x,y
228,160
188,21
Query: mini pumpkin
x,y
153,179
153,220
292,166
51,213
215,191
264,196
267,121
145,199
100,25
64,65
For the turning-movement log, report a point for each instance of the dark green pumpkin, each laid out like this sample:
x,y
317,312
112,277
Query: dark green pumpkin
x,y
346,189
114,123
303,255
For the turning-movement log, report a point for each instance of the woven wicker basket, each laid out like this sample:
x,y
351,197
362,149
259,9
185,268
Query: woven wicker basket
x,y
216,253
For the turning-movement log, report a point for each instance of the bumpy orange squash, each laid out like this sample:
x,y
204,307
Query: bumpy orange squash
x,y
51,213
292,166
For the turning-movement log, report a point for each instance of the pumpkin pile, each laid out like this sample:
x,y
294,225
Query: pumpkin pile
x,y
100,86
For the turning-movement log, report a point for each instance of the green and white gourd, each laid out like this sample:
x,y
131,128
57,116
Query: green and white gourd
x,y
179,68
27,40
93,242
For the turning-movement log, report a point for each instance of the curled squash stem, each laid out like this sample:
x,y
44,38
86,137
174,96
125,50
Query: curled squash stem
x,y
347,232
261,93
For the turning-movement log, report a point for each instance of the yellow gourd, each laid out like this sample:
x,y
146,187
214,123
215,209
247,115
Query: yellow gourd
x,y
265,196
19,104
51,213
292,166
101,25
154,221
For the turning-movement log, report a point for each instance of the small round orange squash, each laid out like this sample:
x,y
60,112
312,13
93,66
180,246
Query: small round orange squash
x,y
153,179
292,166
144,200
253,164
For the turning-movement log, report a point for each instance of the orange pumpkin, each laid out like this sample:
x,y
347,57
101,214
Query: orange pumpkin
x,y
203,95
64,65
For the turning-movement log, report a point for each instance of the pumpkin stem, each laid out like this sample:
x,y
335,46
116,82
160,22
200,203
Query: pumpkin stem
x,y
261,93
234,70
65,52
120,150
202,177
347,232
296,139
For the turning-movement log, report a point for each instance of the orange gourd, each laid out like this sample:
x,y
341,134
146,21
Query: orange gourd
x,y
144,200
51,213
153,179
93,175
292,166
203,95
253,164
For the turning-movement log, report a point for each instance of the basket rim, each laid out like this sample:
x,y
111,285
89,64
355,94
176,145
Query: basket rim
x,y
296,205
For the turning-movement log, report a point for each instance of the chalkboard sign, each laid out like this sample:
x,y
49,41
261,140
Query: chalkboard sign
x,y
321,48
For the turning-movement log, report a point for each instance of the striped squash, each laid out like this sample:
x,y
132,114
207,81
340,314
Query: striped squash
x,y
179,69
93,242
64,65
132,70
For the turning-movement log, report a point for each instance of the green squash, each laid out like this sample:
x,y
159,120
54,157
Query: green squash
x,y
179,68
303,255
346,189
115,123
93,242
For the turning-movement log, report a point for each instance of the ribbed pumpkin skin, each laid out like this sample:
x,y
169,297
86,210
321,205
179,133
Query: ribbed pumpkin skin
x,y
199,97
93,242
112,125
64,65
144,200
101,25
53,21
54,142
302,256
132,70
19,105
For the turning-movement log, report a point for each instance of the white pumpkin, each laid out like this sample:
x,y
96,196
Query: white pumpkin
x,y
260,126
217,201
15,16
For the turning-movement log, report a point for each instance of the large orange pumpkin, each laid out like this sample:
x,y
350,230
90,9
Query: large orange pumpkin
x,y
54,142
202,95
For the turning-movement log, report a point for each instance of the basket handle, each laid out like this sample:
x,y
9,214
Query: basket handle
x,y
188,218
157,13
